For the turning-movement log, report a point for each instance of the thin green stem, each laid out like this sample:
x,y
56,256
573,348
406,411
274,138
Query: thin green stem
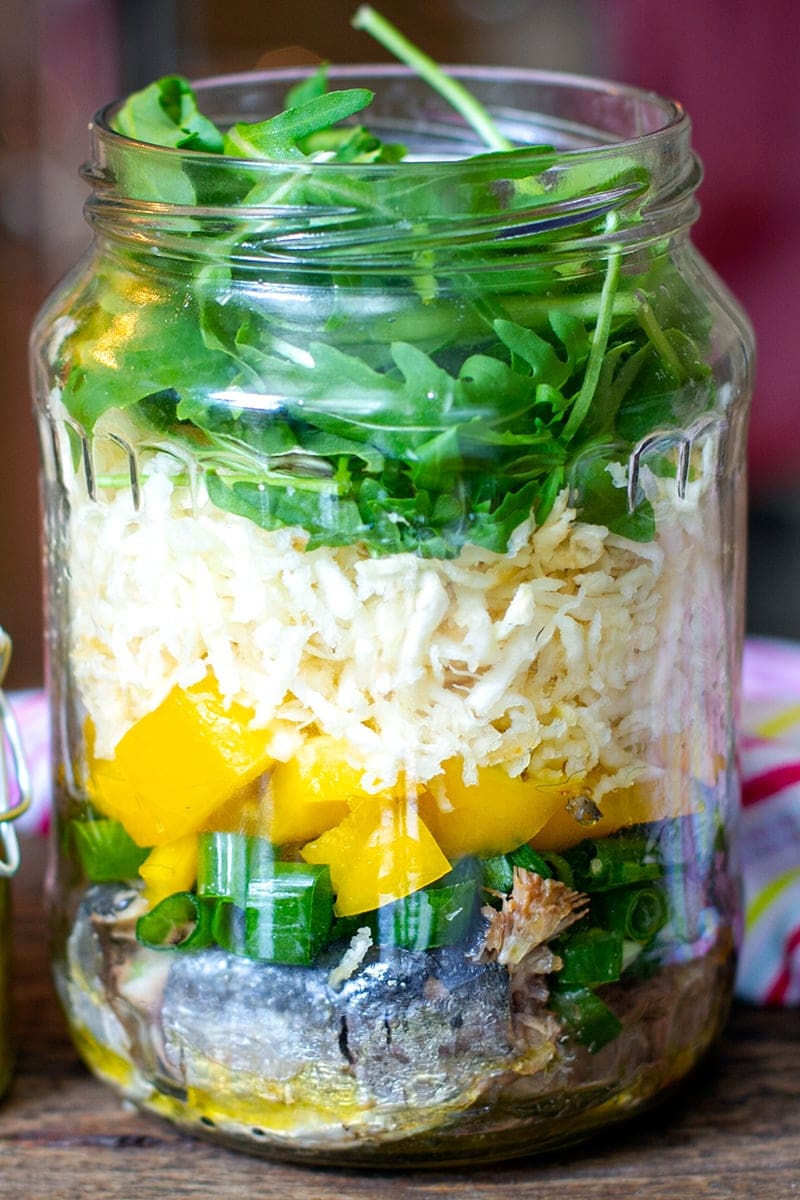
x,y
371,22
599,342
658,338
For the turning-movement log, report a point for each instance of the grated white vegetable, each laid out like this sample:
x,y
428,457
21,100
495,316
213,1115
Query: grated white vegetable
x,y
542,658
352,958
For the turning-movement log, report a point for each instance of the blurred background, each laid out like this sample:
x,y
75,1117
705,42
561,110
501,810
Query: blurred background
x,y
734,65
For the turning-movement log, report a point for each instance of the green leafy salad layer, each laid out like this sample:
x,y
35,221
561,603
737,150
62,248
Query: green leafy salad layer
x,y
349,344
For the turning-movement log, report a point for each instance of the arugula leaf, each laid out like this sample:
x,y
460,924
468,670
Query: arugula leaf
x,y
350,145
165,114
603,503
320,511
534,351
277,137
464,390
105,368
313,86
494,519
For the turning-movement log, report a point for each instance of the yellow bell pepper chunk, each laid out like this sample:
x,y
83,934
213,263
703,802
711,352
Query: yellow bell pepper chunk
x,y
380,852
496,814
170,868
636,805
246,811
179,763
313,791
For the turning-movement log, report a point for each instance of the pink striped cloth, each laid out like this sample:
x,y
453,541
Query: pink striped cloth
x,y
769,966
769,969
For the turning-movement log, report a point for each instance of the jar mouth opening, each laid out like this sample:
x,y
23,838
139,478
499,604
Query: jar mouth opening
x,y
589,147
579,116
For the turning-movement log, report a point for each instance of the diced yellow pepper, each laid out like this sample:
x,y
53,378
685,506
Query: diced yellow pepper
x,y
170,868
313,791
179,763
246,811
637,805
380,852
496,814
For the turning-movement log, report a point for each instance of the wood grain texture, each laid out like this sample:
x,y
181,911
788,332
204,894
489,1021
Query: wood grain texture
x,y
732,1133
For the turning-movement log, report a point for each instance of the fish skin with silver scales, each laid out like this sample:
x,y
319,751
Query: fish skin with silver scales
x,y
419,1028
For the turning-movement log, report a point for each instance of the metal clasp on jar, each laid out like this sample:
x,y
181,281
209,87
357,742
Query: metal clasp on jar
x,y
120,461
10,746
688,456
664,441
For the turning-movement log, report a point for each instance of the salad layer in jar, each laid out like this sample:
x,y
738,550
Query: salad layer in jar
x,y
395,709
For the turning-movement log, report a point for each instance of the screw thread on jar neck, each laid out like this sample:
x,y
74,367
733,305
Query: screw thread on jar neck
x,y
586,149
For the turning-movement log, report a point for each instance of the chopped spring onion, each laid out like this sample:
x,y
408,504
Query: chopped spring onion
x,y
498,872
435,916
530,860
636,913
559,867
498,876
227,862
591,957
599,866
222,866
286,917
108,854
588,1018
181,921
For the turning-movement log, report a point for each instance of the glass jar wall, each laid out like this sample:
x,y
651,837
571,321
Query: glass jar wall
x,y
394,539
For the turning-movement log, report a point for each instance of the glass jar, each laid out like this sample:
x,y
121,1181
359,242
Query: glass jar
x,y
15,795
395,547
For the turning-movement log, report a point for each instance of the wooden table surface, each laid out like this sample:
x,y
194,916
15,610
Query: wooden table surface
x,y
733,1132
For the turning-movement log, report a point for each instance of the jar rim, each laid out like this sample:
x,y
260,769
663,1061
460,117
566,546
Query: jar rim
x,y
617,148
646,107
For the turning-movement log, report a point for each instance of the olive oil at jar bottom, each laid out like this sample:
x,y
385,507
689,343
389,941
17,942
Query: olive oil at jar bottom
x,y
669,1021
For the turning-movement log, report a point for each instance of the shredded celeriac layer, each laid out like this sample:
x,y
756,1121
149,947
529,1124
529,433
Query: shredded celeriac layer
x,y
549,657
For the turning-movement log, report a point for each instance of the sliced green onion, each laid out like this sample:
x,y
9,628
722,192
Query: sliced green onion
x,y
599,866
498,871
108,854
435,916
559,867
636,913
590,957
227,927
222,866
530,860
588,1019
227,862
181,921
263,909
438,915
286,918
261,856
498,874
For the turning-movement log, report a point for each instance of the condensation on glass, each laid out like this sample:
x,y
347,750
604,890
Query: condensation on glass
x,y
394,528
